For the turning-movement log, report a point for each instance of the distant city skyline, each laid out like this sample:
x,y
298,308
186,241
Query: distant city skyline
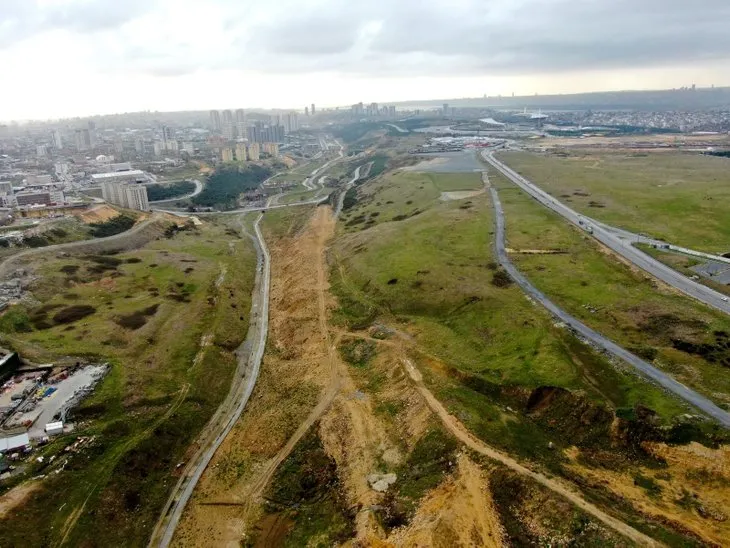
x,y
71,58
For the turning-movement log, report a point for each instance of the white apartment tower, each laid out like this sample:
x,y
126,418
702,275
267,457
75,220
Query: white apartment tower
x,y
127,195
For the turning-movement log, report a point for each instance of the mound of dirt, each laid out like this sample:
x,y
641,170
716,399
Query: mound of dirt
x,y
97,214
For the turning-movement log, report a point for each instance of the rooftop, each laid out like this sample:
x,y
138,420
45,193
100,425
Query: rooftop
x,y
113,174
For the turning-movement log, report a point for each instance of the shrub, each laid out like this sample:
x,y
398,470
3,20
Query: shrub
x,y
36,241
358,352
73,313
15,320
501,279
137,319
120,223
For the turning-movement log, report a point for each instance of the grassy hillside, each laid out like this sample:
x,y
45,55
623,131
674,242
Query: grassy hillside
x,y
420,272
628,306
167,317
681,197
434,274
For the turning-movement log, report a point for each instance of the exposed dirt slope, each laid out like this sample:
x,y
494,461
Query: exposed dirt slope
x,y
460,512
458,430
295,377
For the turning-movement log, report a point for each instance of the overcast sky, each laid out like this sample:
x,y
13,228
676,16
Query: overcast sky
x,y
78,57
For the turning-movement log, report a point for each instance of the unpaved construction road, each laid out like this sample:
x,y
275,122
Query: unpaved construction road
x,y
324,226
463,435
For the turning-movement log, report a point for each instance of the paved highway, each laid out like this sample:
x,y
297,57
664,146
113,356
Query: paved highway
x,y
612,238
646,369
348,186
193,194
250,355
9,263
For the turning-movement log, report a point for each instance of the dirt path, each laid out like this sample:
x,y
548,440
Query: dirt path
x,y
323,224
17,496
463,435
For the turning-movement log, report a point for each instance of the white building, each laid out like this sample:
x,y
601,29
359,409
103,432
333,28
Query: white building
x,y
57,141
34,180
133,176
7,197
61,169
122,166
127,195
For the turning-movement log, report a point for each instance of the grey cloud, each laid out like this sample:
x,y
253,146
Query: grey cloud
x,y
22,19
401,37
565,35
312,34
414,37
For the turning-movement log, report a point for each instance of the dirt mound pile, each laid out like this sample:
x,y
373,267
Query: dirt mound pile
x,y
459,512
98,214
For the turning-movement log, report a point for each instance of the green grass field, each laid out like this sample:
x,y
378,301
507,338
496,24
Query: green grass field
x,y
623,304
403,194
432,274
162,386
677,196
51,233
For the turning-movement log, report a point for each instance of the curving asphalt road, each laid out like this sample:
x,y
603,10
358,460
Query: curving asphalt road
x,y
7,264
611,238
646,369
250,354
348,186
198,190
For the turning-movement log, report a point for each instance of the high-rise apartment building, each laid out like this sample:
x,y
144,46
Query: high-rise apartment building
x,y
215,120
128,195
227,154
314,110
271,148
56,138
291,122
241,154
306,111
254,151
241,122
168,137
83,140
228,125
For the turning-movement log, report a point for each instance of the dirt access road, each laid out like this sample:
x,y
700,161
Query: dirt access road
x,y
323,225
299,380
463,435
